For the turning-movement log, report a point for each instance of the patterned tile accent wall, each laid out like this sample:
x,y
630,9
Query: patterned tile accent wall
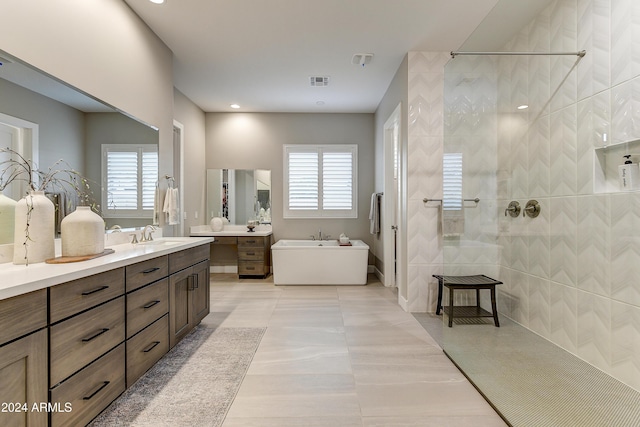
x,y
571,275
424,177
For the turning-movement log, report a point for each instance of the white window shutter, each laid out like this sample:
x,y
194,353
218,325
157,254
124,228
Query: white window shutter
x,y
337,180
452,181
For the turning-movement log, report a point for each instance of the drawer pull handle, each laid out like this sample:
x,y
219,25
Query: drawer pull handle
x,y
251,268
151,347
96,335
251,253
150,270
250,241
100,387
194,281
101,288
151,304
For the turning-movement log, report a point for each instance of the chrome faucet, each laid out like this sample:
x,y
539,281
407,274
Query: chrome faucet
x,y
147,237
319,234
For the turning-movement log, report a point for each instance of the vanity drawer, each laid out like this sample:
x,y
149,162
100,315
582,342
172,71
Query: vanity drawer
x,y
251,242
22,314
146,305
90,390
251,254
251,268
73,297
188,257
145,272
225,240
146,348
85,337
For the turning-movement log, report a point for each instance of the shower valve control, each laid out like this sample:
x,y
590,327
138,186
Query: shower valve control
x,y
532,209
513,209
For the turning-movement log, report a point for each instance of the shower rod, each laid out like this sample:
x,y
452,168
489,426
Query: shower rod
x,y
580,53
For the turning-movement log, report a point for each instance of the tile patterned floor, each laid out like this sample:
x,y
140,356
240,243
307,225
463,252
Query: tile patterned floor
x,y
340,356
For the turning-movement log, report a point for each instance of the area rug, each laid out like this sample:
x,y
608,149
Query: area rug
x,y
192,385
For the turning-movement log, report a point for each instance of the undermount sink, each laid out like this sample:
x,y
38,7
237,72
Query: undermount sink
x,y
159,242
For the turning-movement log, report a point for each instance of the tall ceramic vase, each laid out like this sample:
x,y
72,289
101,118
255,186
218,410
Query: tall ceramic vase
x,y
33,239
7,219
82,233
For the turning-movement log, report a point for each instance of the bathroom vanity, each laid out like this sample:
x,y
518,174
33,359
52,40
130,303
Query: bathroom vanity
x,y
253,248
74,336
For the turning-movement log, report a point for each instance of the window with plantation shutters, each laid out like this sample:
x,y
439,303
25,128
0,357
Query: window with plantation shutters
x,y
452,181
129,175
320,181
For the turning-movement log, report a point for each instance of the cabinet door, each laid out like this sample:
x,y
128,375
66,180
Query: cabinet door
x,y
23,380
200,292
179,305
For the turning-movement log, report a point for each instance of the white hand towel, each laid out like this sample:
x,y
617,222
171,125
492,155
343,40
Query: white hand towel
x,y
171,207
156,206
452,222
374,215
174,214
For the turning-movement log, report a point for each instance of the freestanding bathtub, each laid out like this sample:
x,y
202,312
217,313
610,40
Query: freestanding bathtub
x,y
319,262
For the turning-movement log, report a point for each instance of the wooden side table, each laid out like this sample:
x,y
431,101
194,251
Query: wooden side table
x,y
477,282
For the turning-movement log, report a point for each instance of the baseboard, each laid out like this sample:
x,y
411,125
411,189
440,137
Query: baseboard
x,y
224,269
403,303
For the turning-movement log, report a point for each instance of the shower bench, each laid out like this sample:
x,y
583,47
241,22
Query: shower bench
x,y
477,282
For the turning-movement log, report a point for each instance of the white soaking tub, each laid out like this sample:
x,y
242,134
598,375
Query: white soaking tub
x,y
319,262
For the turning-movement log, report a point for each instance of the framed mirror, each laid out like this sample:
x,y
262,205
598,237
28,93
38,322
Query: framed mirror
x,y
64,123
239,195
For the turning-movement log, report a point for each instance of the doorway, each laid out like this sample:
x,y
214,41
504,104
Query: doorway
x,y
391,198
178,172
22,137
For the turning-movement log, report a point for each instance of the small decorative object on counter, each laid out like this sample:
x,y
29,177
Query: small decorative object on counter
x,y
82,233
217,224
34,235
344,240
252,224
34,216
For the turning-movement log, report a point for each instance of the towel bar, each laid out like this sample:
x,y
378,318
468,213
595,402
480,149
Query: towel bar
x,y
425,200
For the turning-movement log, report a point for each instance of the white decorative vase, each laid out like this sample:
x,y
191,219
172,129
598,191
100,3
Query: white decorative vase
x,y
33,239
7,219
82,233
216,224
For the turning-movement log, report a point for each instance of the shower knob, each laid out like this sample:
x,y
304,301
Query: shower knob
x,y
532,209
513,209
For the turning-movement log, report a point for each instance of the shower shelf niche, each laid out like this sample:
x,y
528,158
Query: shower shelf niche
x,y
605,165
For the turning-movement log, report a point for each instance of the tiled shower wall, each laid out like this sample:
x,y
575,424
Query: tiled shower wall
x,y
572,275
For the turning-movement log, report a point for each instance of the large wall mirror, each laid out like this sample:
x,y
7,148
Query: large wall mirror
x,y
239,195
61,122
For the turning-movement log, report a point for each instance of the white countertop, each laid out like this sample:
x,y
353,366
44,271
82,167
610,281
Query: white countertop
x,y
231,231
20,279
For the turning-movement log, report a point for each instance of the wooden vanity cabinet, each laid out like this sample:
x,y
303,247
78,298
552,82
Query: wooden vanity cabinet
x,y
147,315
86,368
188,291
23,359
254,256
79,349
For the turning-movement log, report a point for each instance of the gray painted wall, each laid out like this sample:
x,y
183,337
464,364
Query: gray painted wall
x,y
255,140
60,127
397,93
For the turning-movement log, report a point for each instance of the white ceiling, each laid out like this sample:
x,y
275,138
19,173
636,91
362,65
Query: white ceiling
x,y
261,53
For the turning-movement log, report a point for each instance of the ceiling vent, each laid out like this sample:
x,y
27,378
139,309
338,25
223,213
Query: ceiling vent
x,y
361,59
319,81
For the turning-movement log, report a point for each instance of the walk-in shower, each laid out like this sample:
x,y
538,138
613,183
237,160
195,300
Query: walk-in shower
x,y
568,257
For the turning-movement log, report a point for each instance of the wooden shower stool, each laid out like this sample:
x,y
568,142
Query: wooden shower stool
x,y
477,282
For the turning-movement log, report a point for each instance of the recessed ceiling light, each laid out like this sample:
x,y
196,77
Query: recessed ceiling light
x,y
523,107
157,1
234,106
319,102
